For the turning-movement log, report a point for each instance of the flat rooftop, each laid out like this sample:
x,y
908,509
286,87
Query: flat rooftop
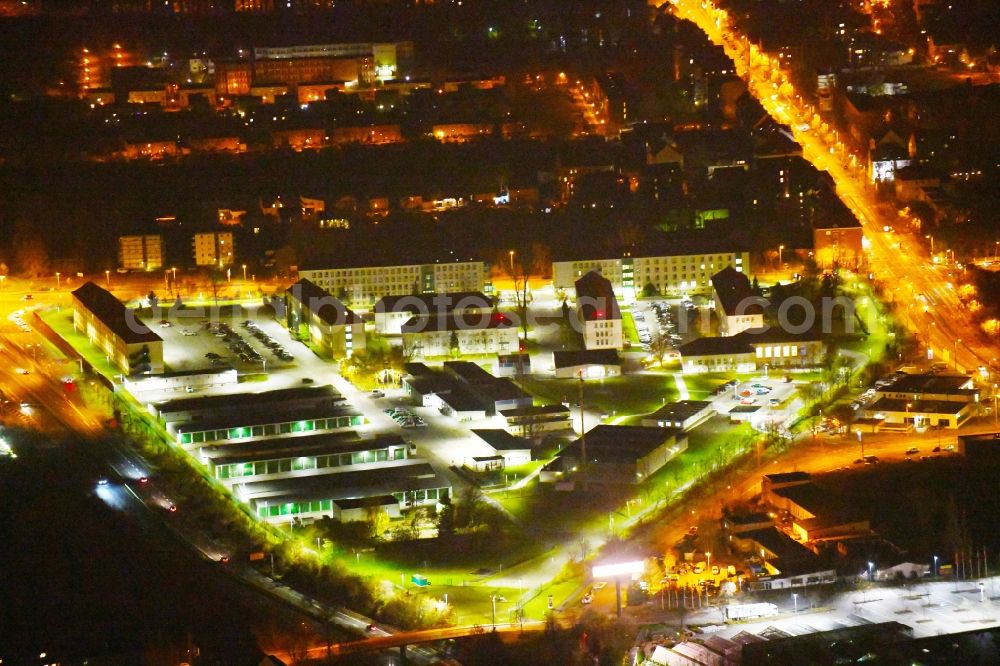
x,y
927,383
569,359
384,479
680,410
950,407
249,400
252,417
622,444
501,440
293,447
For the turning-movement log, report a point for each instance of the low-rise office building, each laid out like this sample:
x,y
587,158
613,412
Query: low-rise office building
x,y
587,363
458,334
185,381
751,351
237,426
506,450
207,406
735,304
313,314
598,313
921,413
413,483
537,420
612,455
293,457
462,390
391,312
683,414
117,331
364,285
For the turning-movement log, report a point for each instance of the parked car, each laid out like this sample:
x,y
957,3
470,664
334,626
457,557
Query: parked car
x,y
377,394
912,450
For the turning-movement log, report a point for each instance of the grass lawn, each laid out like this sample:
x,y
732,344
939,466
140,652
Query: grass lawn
x,y
629,333
61,322
616,396
702,386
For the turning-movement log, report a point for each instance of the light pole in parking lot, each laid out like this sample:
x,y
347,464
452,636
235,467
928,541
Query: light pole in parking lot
x,y
795,602
244,272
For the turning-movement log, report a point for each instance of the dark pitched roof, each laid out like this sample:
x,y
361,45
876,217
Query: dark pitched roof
x,y
568,359
535,410
596,297
742,343
457,322
501,440
322,304
787,477
429,304
733,288
622,444
114,314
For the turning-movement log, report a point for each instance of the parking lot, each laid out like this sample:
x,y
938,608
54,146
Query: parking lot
x,y
929,608
772,394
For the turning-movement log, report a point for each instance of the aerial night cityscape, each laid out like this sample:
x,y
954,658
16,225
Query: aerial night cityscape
x,y
499,332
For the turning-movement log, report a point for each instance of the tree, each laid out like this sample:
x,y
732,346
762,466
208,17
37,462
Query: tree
x,y
650,290
378,520
660,345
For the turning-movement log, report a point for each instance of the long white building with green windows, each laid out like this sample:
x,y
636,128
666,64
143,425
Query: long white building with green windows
x,y
234,427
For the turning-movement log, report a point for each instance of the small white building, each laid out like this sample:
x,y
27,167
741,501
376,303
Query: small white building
x,y
510,449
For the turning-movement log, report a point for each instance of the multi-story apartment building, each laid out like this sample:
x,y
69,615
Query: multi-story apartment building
x,y
214,249
598,312
140,253
117,331
364,285
670,275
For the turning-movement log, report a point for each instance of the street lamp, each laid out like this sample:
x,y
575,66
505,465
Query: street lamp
x,y
781,248
244,272
931,239
907,417
870,574
58,283
229,275
107,278
935,566
708,557
493,598
795,602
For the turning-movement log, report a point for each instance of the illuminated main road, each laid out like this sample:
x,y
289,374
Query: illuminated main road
x,y
923,290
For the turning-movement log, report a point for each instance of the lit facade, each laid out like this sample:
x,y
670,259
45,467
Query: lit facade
x,y
214,249
117,331
675,275
365,285
140,253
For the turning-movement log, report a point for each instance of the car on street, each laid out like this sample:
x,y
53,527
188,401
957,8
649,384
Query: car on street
x,y
715,570
587,599
912,450
377,394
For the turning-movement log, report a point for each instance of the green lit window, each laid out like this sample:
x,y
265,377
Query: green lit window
x,y
260,468
186,438
357,457
399,454
222,472
326,505
432,494
381,455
